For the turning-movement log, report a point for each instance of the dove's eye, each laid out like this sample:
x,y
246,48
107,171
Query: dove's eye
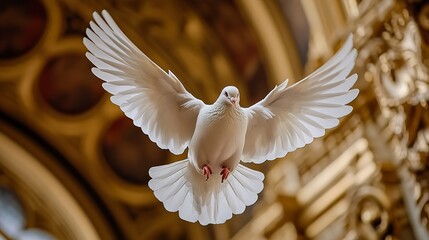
x,y
226,94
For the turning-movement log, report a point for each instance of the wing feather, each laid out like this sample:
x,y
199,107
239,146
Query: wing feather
x,y
156,101
291,117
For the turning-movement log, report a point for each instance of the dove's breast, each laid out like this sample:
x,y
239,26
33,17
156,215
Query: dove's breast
x,y
219,136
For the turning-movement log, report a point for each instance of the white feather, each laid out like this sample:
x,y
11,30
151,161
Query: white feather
x,y
182,189
303,111
155,100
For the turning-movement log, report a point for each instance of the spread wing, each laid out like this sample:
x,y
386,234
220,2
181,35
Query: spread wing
x,y
155,101
291,117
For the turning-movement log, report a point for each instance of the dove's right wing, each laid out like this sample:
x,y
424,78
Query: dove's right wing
x,y
290,117
155,101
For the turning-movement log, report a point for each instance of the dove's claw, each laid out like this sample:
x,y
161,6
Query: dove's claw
x,y
207,171
225,172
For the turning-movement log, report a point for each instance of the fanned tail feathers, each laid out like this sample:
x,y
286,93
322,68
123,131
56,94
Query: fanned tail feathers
x,y
180,188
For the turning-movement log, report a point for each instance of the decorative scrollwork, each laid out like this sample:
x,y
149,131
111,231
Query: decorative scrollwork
x,y
369,215
401,81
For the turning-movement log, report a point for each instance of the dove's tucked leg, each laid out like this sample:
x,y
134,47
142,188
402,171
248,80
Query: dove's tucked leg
x,y
207,171
224,173
180,187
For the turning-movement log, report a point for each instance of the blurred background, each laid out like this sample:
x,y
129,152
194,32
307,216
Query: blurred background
x,y
72,166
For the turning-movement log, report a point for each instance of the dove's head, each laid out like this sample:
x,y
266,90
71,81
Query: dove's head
x,y
230,96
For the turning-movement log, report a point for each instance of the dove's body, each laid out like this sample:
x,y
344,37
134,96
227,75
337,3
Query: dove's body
x,y
212,185
209,146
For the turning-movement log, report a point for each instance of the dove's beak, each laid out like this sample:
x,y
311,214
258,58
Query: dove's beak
x,y
233,100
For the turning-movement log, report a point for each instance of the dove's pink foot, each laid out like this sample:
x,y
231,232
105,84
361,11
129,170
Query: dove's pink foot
x,y
225,173
207,171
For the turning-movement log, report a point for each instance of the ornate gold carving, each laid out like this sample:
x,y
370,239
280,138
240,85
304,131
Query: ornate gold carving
x,y
401,81
369,217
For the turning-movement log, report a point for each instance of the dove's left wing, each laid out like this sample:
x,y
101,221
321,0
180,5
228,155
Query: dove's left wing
x,y
291,117
155,101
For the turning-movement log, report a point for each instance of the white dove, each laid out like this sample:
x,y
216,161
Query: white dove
x,y
211,184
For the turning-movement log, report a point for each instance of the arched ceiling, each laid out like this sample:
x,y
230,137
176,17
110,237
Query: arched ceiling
x,y
49,95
